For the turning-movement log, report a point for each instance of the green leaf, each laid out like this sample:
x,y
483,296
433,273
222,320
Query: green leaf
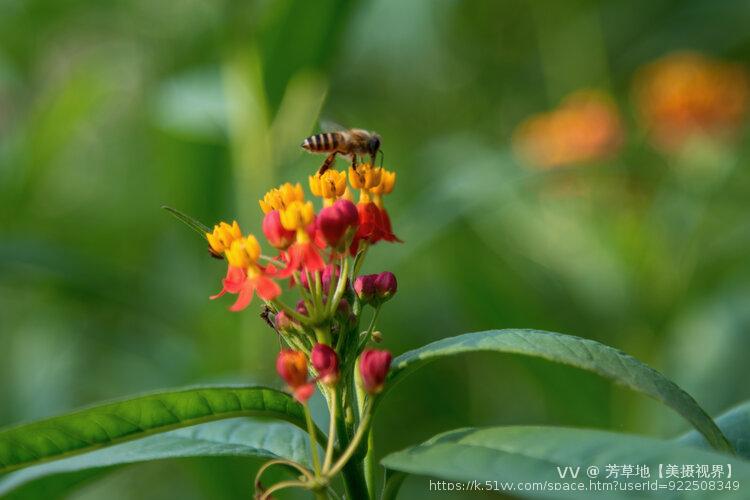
x,y
574,351
234,437
190,222
119,421
533,454
735,424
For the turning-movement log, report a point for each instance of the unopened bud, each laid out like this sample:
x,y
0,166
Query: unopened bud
x,y
292,367
336,222
385,285
277,235
326,363
376,337
283,322
373,368
301,307
364,287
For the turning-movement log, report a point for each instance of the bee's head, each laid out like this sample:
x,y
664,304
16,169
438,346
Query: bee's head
x,y
373,145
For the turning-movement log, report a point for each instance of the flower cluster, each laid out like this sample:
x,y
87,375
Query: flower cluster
x,y
320,253
586,127
687,94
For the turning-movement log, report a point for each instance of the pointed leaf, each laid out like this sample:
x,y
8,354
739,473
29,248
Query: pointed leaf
x,y
735,424
190,222
574,351
115,422
243,437
499,456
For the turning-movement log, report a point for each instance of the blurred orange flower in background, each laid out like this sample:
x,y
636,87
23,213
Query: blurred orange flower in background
x,y
586,127
687,94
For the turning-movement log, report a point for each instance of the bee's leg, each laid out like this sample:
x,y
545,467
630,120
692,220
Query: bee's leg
x,y
354,161
327,164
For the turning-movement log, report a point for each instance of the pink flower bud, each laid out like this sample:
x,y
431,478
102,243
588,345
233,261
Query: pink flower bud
x,y
283,322
292,367
385,285
364,287
326,363
276,234
301,307
330,274
335,222
348,211
373,368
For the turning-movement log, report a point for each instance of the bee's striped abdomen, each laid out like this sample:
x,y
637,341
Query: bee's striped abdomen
x,y
322,143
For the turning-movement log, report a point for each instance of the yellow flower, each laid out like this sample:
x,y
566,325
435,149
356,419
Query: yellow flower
x,y
297,215
330,185
387,181
281,197
365,176
244,252
222,236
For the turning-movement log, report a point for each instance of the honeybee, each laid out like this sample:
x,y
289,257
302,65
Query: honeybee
x,y
350,143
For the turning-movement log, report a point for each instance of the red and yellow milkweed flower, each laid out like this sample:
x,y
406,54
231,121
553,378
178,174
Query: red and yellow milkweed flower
x,y
374,221
244,276
295,216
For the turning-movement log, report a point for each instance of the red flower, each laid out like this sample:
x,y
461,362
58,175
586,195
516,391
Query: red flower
x,y
302,256
387,229
238,281
374,225
373,367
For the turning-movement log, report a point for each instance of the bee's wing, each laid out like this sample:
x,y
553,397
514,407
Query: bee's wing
x,y
326,125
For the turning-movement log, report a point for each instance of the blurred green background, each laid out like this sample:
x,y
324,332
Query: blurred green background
x,y
109,110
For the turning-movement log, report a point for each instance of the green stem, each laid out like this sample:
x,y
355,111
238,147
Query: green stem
x,y
313,441
354,480
331,430
360,258
370,465
370,328
364,426
319,294
333,303
280,486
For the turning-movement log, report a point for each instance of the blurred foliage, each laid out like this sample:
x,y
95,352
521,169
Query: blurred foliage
x,y
109,110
